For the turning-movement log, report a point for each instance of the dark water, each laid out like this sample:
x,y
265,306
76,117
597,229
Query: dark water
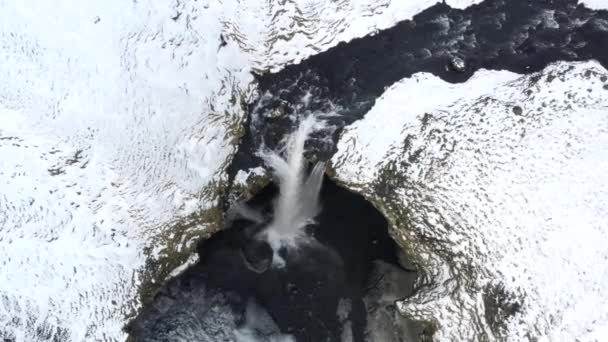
x,y
521,36
302,299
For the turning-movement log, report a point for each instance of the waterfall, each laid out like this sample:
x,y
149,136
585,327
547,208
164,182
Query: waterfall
x,y
298,200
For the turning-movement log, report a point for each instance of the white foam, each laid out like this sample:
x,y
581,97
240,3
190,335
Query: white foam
x,y
298,200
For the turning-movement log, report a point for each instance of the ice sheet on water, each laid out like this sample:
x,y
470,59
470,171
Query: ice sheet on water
x,y
259,327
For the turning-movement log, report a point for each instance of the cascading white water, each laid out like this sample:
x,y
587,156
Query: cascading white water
x,y
298,200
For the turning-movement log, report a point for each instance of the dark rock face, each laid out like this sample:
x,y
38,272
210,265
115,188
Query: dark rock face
x,y
320,293
517,35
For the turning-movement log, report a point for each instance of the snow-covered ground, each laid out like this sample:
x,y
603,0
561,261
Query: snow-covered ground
x,y
114,118
117,119
500,187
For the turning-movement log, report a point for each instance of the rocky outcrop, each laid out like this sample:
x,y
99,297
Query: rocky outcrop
x,y
497,188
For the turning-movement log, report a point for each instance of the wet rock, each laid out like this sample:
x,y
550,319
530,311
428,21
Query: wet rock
x,y
457,64
517,110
